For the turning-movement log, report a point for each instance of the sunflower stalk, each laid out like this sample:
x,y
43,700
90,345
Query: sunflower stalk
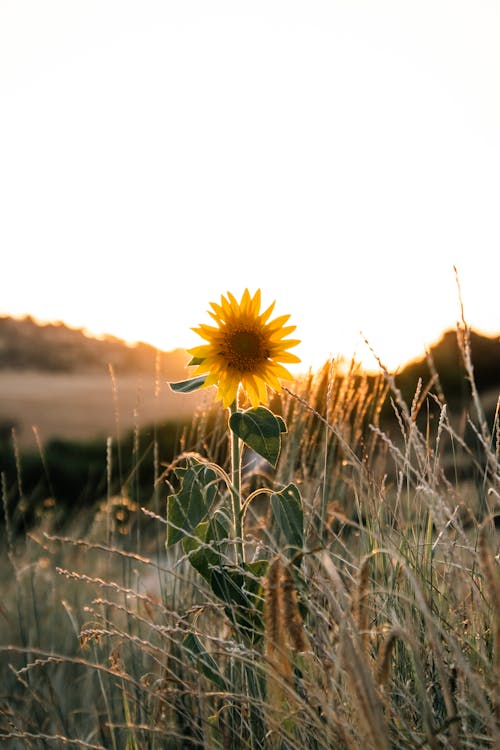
x,y
236,448
244,352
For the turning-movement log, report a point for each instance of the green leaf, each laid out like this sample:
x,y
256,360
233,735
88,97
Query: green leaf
x,y
261,430
202,660
241,589
206,547
195,361
193,503
281,423
288,513
188,386
200,555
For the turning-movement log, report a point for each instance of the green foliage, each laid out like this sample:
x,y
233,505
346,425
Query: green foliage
x,y
261,430
240,588
205,532
194,501
206,548
199,656
288,513
188,386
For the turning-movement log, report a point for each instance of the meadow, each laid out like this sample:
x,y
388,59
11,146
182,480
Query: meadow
x,y
84,406
360,607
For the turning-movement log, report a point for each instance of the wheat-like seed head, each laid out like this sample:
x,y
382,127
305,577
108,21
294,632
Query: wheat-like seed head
x,y
291,615
360,603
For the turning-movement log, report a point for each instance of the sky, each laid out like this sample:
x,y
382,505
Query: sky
x,y
342,156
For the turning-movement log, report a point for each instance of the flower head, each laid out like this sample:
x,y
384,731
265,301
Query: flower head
x,y
244,347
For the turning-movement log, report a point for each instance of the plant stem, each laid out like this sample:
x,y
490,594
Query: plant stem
x,y
236,487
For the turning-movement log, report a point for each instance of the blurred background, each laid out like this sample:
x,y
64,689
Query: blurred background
x,y
341,156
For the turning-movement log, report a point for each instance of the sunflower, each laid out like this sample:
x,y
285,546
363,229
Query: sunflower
x,y
244,348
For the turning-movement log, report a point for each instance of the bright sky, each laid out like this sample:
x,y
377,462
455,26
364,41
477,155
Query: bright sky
x,y
340,155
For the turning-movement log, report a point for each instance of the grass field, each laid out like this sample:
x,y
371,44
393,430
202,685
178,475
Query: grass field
x,y
366,613
86,406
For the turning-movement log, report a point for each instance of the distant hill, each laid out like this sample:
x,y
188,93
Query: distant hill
x,y
447,360
54,347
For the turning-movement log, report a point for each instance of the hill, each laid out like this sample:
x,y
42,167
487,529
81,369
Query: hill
x,y
446,359
57,348
56,381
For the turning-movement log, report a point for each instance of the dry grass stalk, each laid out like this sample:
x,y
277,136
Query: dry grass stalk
x,y
27,736
492,581
369,714
294,625
284,632
280,669
274,626
366,714
383,665
383,677
361,610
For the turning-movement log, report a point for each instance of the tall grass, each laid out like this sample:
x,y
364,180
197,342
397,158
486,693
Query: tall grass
x,y
383,633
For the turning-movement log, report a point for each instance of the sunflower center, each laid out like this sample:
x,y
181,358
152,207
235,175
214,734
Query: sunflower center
x,y
244,350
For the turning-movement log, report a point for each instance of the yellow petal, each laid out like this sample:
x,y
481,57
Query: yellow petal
x,y
226,307
200,351
255,304
271,379
252,390
267,313
282,332
287,357
246,302
233,301
218,310
212,378
281,372
262,390
277,322
279,345
229,389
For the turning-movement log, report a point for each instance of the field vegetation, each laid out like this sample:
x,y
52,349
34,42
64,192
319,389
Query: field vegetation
x,y
366,612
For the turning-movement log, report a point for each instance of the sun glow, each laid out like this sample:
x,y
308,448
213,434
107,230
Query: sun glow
x,y
341,157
